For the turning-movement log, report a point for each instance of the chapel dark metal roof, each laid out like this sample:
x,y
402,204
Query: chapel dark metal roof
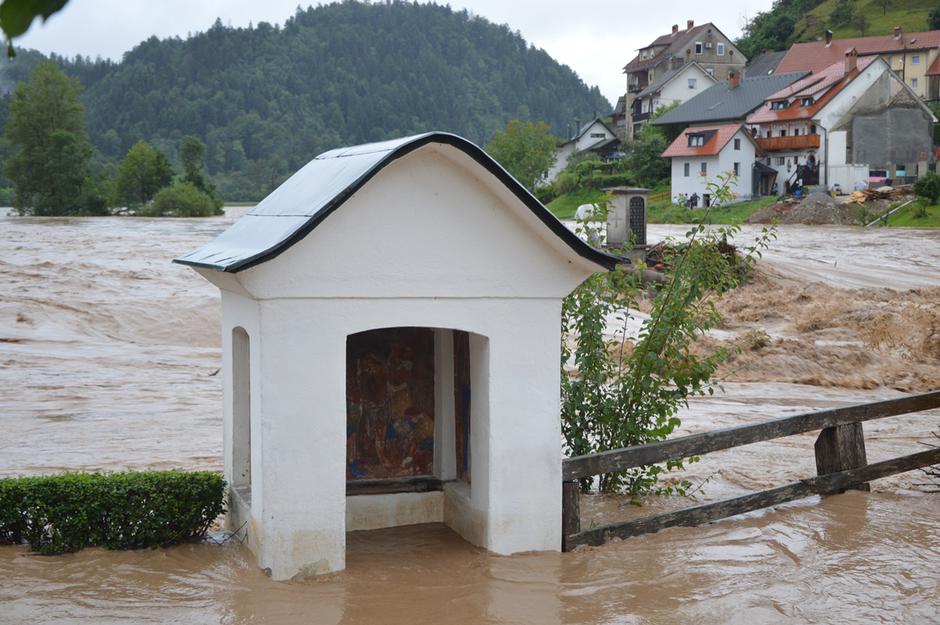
x,y
308,197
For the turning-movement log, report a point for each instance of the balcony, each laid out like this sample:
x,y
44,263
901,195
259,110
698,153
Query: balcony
x,y
778,144
635,88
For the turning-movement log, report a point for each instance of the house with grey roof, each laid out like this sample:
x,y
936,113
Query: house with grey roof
x,y
730,100
704,44
765,64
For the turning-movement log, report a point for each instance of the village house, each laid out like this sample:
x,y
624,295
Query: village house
x,y
595,136
705,45
914,57
379,370
703,153
835,125
728,101
675,86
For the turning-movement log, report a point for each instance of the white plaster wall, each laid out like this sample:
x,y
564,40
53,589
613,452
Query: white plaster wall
x,y
433,224
838,143
515,495
586,140
241,311
843,101
720,164
372,512
677,89
561,161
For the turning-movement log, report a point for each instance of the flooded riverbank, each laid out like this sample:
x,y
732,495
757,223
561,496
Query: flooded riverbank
x,y
109,359
850,559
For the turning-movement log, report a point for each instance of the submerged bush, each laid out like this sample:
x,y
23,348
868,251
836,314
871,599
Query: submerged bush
x,y
132,510
181,199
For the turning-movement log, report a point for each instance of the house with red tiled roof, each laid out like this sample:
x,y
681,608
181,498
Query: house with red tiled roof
x,y
914,57
834,126
703,153
705,45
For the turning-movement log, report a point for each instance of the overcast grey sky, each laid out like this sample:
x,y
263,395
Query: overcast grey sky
x,y
594,37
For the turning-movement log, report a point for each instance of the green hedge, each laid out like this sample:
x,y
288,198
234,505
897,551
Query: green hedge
x,y
132,510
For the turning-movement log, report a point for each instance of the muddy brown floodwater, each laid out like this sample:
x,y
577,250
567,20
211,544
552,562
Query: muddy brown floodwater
x,y
109,359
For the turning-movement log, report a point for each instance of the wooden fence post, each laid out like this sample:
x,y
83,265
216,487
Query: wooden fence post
x,y
570,511
840,448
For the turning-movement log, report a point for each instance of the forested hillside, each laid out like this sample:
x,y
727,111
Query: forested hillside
x,y
266,99
792,21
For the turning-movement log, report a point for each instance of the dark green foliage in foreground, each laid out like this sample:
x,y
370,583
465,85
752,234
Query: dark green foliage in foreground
x,y
266,99
133,510
181,199
16,16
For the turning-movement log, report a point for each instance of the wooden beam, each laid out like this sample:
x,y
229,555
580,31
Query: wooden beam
x,y
570,511
394,485
698,444
705,513
840,448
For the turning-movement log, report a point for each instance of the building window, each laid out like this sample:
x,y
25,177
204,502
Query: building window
x,y
704,168
692,83
720,49
737,144
781,160
812,129
696,141
686,170
597,135
698,47
710,71
913,83
807,101
783,132
796,132
778,105
915,59
737,169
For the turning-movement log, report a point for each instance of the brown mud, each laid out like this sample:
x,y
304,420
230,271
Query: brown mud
x,y
109,359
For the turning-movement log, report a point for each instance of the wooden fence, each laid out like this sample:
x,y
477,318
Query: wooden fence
x,y
841,464
659,196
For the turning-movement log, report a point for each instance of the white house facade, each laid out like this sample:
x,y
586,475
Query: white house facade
x,y
595,136
831,127
676,86
380,368
701,154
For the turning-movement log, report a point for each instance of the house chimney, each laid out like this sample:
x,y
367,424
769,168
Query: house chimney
x,y
851,60
828,37
734,79
897,32
675,28
689,24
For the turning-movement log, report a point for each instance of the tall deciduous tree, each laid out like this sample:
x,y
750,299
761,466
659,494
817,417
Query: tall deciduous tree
x,y
142,173
46,128
525,149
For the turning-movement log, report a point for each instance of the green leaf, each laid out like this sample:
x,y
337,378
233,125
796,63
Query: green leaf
x,y
17,15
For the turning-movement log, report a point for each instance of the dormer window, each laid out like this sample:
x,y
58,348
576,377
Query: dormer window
x,y
696,141
808,101
778,105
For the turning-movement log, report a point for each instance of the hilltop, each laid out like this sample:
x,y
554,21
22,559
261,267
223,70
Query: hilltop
x,y
268,98
795,21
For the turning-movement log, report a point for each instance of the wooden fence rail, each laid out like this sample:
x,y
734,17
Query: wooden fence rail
x,y
841,464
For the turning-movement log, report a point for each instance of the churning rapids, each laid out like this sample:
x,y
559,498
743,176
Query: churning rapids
x,y
109,359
